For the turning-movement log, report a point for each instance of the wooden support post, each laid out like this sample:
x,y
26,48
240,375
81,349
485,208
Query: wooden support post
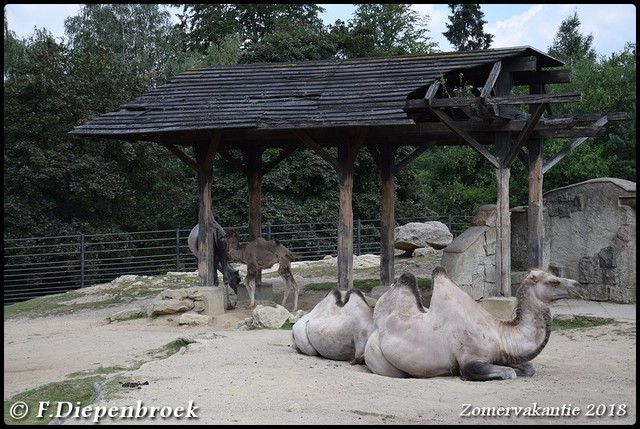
x,y
345,221
254,187
503,224
535,246
206,266
387,218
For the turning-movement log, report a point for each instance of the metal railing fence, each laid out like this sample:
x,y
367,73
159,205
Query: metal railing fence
x,y
40,266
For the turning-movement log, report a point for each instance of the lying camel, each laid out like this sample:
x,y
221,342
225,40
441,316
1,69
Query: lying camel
x,y
337,328
456,335
220,255
259,254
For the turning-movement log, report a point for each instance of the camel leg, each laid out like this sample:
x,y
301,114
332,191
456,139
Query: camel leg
x,y
483,371
377,362
290,283
250,282
524,370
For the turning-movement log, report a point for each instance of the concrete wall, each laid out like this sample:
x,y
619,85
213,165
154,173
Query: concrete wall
x,y
590,236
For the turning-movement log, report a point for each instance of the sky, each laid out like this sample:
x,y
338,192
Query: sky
x,y
535,25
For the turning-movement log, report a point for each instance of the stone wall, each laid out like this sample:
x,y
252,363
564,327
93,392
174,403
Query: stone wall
x,y
590,236
470,259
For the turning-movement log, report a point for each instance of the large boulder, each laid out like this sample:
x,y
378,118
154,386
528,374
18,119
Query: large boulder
x,y
414,235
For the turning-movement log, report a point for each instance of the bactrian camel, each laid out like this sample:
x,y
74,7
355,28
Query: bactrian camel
x,y
260,254
220,255
337,328
456,335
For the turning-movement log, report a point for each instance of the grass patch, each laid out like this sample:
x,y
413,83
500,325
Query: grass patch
x,y
78,392
79,389
579,322
140,287
287,326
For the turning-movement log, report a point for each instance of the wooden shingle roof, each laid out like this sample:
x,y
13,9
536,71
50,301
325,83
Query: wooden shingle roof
x,y
359,92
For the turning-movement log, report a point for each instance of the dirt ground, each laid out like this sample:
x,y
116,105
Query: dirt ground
x,y
238,376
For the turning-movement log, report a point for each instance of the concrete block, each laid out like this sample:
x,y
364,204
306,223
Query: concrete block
x,y
500,306
213,300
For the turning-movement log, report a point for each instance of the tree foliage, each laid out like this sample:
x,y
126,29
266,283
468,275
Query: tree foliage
x,y
465,30
56,184
389,29
569,44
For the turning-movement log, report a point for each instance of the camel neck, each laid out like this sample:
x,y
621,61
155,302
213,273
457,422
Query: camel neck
x,y
528,333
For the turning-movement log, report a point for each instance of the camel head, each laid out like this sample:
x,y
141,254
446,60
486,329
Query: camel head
x,y
548,287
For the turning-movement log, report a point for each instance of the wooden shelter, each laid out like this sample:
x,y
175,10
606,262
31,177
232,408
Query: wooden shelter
x,y
338,107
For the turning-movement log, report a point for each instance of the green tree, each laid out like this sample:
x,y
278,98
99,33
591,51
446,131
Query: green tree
x,y
607,85
208,25
465,30
138,35
569,44
388,29
291,40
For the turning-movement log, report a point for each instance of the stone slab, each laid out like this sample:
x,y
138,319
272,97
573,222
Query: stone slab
x,y
213,300
500,306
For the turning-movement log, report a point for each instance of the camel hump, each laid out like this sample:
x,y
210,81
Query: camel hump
x,y
337,295
357,292
407,279
439,271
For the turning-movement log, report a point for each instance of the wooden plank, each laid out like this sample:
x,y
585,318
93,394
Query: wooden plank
x,y
491,80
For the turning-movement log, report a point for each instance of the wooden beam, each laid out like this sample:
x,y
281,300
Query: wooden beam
x,y
413,155
541,77
491,80
569,97
524,135
571,147
284,153
319,150
181,155
466,137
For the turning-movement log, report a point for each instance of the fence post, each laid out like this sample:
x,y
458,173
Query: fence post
x,y
358,236
268,230
177,250
449,220
81,260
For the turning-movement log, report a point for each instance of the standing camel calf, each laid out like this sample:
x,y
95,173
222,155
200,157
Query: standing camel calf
x,y
260,254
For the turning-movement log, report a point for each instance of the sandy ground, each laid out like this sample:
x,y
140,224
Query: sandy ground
x,y
233,376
